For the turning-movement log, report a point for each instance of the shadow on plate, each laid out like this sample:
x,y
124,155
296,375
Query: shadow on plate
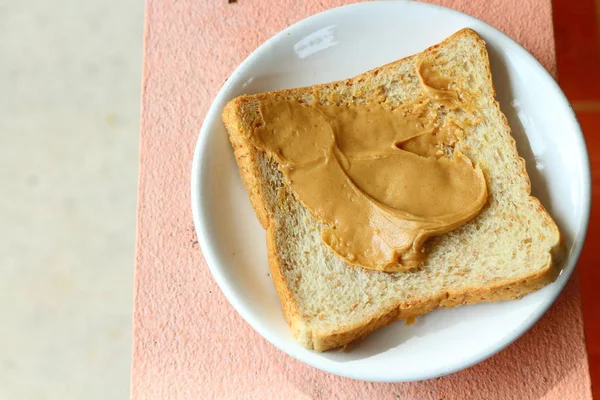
x,y
505,97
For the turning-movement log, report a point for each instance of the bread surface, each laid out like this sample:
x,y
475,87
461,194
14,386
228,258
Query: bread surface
x,y
505,252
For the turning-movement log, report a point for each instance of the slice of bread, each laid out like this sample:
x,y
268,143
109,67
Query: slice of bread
x,y
505,252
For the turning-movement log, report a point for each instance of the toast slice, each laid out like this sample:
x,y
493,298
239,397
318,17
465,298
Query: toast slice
x,y
507,251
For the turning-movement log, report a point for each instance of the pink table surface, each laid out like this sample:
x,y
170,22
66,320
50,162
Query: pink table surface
x,y
189,343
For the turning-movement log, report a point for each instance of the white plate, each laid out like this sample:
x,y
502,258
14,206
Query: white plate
x,y
341,43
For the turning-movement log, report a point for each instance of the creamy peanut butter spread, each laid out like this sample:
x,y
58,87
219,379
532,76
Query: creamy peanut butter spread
x,y
381,180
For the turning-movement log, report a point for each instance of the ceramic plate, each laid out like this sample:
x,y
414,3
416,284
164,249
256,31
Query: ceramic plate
x,y
341,43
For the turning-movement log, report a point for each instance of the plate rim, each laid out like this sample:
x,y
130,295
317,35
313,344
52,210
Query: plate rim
x,y
204,236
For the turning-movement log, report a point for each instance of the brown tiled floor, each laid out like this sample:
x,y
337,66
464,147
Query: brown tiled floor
x,y
578,54
589,263
577,49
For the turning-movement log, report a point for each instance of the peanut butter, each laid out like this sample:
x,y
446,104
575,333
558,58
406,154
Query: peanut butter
x,y
381,180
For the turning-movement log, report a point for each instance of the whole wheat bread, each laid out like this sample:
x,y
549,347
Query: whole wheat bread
x,y
504,253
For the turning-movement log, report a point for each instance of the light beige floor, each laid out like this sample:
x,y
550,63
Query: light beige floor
x,y
69,115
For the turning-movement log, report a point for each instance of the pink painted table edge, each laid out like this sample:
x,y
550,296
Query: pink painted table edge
x,y
188,341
